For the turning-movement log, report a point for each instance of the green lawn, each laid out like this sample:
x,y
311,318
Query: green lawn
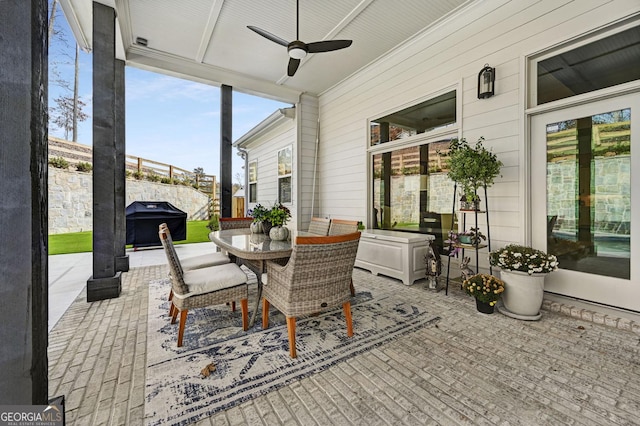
x,y
80,242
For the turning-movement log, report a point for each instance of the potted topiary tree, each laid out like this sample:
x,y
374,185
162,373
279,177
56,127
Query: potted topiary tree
x,y
472,167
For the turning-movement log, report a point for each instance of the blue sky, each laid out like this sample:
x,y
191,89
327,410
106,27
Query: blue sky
x,y
168,120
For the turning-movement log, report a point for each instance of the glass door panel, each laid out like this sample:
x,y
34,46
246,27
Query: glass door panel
x,y
583,157
589,193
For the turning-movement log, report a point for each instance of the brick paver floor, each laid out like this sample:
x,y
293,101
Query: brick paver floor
x,y
469,369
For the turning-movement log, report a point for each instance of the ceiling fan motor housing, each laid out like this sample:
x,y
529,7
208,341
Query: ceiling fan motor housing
x,y
297,49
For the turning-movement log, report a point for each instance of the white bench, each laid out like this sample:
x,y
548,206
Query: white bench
x,y
394,254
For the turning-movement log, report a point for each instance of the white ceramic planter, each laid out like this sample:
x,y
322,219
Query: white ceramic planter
x,y
523,293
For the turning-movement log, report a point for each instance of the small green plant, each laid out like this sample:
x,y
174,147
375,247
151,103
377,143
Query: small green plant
x,y
128,173
278,215
258,213
214,223
470,237
185,180
166,180
152,177
84,167
59,163
138,175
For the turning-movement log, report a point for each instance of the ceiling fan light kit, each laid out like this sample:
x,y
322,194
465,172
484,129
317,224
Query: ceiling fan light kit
x,y
297,49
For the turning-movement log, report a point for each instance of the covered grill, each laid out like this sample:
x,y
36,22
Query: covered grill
x,y
144,217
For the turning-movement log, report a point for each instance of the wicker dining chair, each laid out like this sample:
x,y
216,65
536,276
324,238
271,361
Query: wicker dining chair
x,y
339,227
203,287
235,222
319,226
192,262
316,278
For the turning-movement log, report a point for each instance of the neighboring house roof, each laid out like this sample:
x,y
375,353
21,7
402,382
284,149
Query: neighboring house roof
x,y
279,116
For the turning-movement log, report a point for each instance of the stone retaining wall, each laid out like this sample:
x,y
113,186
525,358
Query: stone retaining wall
x,y
71,199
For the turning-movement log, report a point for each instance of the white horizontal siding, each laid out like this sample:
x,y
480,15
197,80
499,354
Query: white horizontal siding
x,y
498,32
264,149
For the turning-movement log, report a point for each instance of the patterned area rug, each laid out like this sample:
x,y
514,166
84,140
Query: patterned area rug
x,y
253,363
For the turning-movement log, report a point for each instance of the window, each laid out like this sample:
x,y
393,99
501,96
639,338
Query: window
x,y
432,114
597,65
410,189
253,182
284,175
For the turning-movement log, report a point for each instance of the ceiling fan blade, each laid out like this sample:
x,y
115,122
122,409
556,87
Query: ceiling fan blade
x,y
293,66
328,45
268,35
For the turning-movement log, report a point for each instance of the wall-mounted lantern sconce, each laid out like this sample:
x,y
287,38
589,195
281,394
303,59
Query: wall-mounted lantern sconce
x,y
486,80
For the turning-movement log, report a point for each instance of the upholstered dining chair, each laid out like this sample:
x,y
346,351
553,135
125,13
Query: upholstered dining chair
x,y
203,287
192,262
316,278
195,262
235,222
319,226
339,227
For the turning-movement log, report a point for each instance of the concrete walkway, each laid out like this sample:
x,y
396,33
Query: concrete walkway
x,y
469,369
68,273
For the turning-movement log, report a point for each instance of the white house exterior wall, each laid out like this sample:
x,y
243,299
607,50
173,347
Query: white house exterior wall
x,y
497,32
264,149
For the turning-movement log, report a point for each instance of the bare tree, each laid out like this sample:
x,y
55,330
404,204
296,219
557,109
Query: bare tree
x,y
52,18
240,179
78,115
68,111
199,172
66,114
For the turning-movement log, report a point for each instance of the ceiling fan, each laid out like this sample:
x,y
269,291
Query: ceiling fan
x,y
298,49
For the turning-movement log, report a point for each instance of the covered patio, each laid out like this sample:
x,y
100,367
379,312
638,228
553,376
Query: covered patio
x,y
574,366
577,365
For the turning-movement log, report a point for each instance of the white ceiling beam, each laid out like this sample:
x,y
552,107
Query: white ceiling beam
x,y
348,19
163,63
124,19
81,34
214,14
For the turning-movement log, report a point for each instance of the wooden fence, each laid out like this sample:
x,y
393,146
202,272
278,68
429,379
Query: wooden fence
x,y
142,168
139,168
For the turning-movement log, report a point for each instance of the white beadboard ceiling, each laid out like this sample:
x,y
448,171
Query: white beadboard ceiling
x,y
208,40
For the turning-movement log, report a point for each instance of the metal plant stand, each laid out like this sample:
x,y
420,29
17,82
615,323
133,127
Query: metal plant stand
x,y
476,247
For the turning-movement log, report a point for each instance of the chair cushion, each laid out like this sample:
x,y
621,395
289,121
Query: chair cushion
x,y
203,261
206,280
